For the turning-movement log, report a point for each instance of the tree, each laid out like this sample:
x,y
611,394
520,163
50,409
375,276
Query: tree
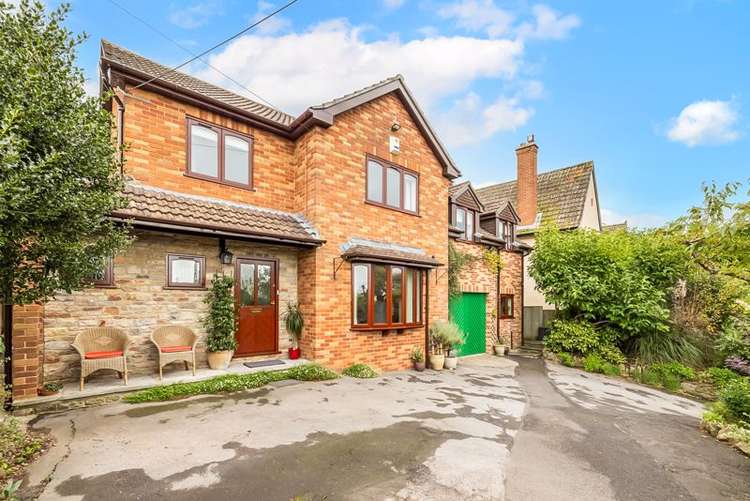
x,y
620,279
717,233
58,163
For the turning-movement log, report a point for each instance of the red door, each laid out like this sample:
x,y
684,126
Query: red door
x,y
255,294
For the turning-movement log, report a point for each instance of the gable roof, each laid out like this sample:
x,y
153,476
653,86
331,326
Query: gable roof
x,y
464,194
394,84
144,69
150,206
508,213
561,194
131,61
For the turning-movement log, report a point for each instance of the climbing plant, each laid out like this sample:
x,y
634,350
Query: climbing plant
x,y
457,261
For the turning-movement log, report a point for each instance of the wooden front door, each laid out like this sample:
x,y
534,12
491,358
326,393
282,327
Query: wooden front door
x,y
255,294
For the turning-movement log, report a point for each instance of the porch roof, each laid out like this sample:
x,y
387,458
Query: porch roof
x,y
389,255
151,206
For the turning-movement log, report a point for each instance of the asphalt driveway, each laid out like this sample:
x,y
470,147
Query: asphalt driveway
x,y
490,430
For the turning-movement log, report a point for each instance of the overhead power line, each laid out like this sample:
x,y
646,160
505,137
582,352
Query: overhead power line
x,y
223,42
179,45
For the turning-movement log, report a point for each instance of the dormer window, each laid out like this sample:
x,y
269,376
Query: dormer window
x,y
465,222
501,229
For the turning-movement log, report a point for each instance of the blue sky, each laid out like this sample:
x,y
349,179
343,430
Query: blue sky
x,y
654,92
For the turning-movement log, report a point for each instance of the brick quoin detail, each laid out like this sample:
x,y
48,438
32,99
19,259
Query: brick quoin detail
x,y
28,339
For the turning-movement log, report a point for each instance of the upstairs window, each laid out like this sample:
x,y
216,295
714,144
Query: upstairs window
x,y
465,222
391,185
506,305
385,296
219,154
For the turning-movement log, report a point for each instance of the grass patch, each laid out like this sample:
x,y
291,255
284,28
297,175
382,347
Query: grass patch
x,y
361,371
17,448
231,383
595,363
566,359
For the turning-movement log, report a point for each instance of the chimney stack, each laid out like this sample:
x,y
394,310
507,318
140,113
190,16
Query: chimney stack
x,y
526,180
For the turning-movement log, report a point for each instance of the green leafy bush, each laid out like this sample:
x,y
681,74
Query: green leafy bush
x,y
654,347
718,376
361,371
231,383
669,375
734,340
736,397
581,338
220,320
595,363
17,447
566,359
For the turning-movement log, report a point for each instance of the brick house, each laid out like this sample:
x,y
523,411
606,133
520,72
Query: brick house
x,y
343,209
488,302
566,197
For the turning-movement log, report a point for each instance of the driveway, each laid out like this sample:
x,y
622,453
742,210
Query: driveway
x,y
490,430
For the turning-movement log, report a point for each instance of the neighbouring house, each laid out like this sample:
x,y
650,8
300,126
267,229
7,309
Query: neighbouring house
x,y
488,302
566,197
343,209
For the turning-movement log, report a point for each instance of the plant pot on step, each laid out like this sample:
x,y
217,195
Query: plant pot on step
x,y
419,366
437,362
499,349
219,359
451,362
294,353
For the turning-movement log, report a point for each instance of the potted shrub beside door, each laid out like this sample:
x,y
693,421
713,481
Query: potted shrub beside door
x,y
294,322
417,358
220,323
438,336
453,339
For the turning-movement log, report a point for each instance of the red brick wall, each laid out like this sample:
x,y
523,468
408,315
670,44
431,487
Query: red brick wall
x,y
331,193
156,154
527,190
28,339
476,277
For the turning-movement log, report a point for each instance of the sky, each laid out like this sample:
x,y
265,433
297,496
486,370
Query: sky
x,y
654,92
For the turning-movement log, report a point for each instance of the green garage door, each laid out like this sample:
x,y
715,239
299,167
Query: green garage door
x,y
469,312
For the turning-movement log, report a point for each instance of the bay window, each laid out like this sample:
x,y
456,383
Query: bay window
x,y
386,296
219,154
392,186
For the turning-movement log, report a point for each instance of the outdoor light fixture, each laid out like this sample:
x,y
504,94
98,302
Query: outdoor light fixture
x,y
224,255
395,126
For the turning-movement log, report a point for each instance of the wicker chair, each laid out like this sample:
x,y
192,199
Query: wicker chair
x,y
174,343
102,348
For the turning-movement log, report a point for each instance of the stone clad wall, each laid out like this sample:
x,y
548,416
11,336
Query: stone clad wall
x,y
331,193
139,301
475,277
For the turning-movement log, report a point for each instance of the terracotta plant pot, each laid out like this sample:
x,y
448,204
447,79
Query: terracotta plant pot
x,y
437,362
219,359
451,362
46,393
419,366
499,349
294,353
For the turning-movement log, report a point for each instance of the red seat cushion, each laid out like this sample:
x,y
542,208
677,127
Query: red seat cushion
x,y
93,355
174,349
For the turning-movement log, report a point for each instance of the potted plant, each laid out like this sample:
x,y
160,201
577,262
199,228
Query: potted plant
x,y
453,339
417,358
220,322
498,345
49,389
438,332
294,322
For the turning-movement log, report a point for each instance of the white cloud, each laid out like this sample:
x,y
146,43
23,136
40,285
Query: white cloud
x,y
705,122
91,86
296,70
469,120
548,24
635,220
478,15
271,25
195,15
393,4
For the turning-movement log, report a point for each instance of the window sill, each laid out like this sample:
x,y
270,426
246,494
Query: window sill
x,y
219,181
387,328
173,288
506,318
105,286
397,209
